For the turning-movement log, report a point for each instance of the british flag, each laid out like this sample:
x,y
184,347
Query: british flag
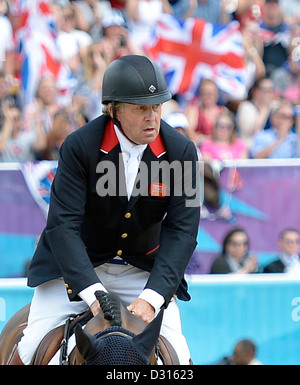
x,y
39,177
193,49
36,37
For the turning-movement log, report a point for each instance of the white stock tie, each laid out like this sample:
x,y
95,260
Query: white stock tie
x,y
132,169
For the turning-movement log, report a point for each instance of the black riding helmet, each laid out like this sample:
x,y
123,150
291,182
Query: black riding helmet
x,y
134,79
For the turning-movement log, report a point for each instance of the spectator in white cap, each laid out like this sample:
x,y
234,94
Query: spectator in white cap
x,y
116,33
178,121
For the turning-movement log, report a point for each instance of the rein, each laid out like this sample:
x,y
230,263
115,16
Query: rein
x,y
72,321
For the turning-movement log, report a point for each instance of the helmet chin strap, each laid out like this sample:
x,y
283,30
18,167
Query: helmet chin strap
x,y
118,123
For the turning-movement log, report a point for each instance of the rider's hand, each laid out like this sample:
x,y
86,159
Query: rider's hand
x,y
95,307
142,309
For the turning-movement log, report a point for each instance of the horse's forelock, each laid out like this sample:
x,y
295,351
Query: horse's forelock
x,y
111,307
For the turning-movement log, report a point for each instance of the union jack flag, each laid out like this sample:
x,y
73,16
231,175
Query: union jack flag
x,y
36,37
39,177
193,49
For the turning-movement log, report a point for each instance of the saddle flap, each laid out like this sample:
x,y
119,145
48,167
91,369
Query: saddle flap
x,y
49,345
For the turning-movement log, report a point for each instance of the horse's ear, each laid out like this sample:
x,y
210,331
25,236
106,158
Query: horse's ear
x,y
145,341
85,342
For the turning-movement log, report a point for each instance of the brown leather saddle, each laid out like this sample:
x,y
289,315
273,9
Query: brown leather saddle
x,y
56,338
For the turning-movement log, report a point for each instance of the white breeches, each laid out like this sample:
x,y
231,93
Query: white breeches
x,y
51,307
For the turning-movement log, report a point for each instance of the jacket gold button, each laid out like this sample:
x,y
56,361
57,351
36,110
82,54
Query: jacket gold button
x,y
70,291
127,215
66,285
119,252
124,235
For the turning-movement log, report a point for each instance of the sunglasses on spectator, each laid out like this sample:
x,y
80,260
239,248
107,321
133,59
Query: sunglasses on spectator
x,y
290,241
236,244
228,126
69,17
266,89
284,116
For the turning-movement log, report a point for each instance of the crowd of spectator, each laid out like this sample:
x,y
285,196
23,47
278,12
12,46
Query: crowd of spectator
x,y
92,33
236,256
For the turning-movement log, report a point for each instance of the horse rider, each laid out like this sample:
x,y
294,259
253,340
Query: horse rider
x,y
116,222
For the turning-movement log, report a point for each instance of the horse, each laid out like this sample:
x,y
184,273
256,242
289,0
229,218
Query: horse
x,y
114,336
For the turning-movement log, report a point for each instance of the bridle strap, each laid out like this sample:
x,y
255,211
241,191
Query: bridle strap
x,y
63,357
110,333
71,322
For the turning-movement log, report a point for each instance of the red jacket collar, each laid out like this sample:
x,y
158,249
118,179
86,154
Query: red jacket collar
x,y
110,140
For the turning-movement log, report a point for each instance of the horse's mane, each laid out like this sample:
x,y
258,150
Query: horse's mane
x,y
111,307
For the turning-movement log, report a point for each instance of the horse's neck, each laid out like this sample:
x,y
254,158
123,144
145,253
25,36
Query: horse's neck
x,y
97,324
128,321
132,322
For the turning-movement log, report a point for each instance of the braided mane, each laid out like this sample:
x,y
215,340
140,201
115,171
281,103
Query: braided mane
x,y
111,307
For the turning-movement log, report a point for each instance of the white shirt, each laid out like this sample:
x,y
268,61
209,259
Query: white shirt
x,y
19,149
70,43
6,41
155,299
291,263
149,13
126,146
233,264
